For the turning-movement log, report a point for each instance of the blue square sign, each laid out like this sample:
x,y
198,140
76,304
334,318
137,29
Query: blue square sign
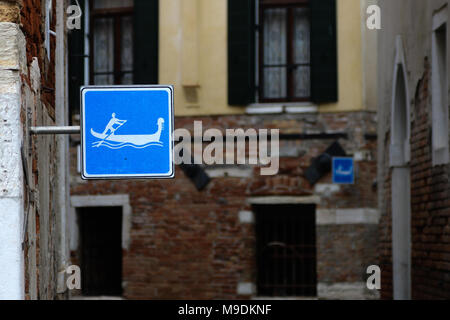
x,y
126,132
343,171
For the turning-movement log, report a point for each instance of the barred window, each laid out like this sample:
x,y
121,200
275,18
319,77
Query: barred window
x,y
286,250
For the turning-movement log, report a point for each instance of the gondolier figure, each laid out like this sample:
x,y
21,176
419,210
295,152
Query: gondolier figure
x,y
137,140
112,123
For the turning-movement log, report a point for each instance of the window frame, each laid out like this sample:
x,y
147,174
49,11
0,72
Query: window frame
x,y
116,14
440,100
263,5
400,145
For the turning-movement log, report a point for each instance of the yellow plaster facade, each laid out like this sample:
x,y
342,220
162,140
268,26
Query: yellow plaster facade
x,y
193,56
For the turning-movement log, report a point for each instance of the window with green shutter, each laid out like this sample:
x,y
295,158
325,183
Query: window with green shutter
x,y
324,67
296,56
284,51
111,42
146,39
241,52
123,44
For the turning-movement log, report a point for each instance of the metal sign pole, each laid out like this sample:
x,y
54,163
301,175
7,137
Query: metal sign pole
x,y
55,130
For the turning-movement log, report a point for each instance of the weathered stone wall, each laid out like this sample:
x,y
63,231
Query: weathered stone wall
x,y
11,175
28,164
188,244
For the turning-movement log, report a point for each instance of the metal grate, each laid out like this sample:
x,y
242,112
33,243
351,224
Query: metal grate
x,y
286,250
101,251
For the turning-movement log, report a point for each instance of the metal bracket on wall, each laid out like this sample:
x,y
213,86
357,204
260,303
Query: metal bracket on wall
x,y
55,130
30,191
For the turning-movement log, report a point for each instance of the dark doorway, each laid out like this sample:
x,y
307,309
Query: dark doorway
x,y
101,251
286,250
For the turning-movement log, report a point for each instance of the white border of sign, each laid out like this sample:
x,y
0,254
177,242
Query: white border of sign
x,y
85,89
332,172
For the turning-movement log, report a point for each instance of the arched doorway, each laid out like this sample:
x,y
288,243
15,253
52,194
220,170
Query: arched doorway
x,y
401,181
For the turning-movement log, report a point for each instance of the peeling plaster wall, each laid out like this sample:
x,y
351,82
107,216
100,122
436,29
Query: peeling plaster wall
x,y
12,48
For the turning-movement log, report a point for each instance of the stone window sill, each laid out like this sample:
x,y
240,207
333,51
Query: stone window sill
x,y
277,108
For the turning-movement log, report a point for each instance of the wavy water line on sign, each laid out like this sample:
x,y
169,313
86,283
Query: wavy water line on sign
x,y
125,144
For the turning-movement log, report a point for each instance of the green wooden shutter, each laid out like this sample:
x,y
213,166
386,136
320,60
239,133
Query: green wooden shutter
x,y
241,52
146,41
324,79
76,65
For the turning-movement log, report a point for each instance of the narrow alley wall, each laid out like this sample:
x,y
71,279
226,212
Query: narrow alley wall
x,y
29,235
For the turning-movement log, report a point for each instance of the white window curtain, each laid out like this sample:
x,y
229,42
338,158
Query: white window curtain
x,y
302,74
127,50
275,54
104,51
275,59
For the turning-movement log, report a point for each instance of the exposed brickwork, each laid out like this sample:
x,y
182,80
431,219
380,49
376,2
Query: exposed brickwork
x,y
430,210
33,26
336,242
187,244
385,228
430,207
38,105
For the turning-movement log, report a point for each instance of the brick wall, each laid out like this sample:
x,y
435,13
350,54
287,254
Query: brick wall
x,y
430,209
33,27
187,244
385,229
38,109
336,242
430,190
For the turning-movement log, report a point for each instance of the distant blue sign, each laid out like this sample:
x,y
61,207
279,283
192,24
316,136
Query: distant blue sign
x,y
126,132
343,171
